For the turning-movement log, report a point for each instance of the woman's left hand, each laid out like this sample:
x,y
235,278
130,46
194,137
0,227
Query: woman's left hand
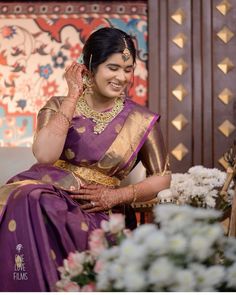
x,y
100,197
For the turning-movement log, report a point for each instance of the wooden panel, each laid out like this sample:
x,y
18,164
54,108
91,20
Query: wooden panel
x,y
153,62
157,66
201,107
175,106
163,85
206,28
197,84
222,50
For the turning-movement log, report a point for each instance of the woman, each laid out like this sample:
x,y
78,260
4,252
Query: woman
x,y
85,144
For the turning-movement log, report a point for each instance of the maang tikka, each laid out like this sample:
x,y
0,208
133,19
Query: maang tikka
x,y
126,52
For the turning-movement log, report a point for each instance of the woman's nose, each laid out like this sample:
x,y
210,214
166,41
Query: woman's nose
x,y
121,76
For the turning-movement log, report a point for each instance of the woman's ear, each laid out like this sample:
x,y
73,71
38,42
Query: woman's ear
x,y
88,82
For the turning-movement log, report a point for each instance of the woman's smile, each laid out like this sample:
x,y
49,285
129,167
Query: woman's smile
x,y
116,86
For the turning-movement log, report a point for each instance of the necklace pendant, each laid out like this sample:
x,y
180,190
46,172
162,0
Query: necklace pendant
x,y
99,128
101,119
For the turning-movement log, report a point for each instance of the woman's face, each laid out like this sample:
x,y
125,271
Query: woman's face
x,y
113,76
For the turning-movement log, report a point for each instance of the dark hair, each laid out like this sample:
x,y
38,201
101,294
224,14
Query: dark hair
x,y
103,43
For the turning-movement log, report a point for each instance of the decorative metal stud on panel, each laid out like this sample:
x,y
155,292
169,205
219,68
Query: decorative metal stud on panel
x,y
225,34
226,65
178,16
180,92
224,7
179,122
180,151
180,66
225,96
227,128
180,40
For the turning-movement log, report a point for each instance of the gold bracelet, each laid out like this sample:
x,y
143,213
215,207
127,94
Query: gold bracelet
x,y
65,116
134,194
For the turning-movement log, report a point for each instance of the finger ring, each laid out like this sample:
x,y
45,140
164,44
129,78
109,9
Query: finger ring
x,y
93,203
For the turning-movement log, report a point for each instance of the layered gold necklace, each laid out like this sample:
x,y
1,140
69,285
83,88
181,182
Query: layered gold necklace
x,y
101,119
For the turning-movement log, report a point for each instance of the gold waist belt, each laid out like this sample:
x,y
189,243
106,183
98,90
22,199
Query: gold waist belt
x,y
88,174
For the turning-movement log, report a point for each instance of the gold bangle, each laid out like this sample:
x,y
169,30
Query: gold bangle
x,y
134,194
65,116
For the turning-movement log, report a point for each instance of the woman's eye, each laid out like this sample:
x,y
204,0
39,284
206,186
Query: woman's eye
x,y
113,69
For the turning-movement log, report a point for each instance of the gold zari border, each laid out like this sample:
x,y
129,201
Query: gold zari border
x,y
6,189
88,174
126,142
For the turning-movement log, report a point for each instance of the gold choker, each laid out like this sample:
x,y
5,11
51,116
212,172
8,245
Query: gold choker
x,y
101,119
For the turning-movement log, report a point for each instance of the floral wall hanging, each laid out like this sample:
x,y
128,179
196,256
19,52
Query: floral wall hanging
x,y
37,42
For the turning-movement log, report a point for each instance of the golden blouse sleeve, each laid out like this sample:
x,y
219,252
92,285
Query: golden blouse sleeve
x,y
47,111
153,153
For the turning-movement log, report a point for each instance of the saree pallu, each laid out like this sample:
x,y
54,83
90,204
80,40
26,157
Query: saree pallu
x,y
40,224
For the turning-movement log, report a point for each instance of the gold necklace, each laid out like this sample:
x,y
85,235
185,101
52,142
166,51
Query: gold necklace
x,y
101,119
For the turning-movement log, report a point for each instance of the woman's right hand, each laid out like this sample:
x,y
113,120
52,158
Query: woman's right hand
x,y
74,79
102,198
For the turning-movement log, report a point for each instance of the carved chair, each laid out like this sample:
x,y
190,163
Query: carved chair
x,y
144,210
229,216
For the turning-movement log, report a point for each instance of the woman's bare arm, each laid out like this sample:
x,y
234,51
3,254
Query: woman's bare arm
x,y
50,139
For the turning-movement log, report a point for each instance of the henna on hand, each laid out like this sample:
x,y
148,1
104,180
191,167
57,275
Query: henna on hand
x,y
74,79
102,198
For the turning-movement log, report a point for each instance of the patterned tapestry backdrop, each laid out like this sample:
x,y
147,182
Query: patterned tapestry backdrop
x,y
37,42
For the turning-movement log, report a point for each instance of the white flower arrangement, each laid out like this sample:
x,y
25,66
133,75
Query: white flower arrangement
x,y
198,187
78,273
182,255
184,250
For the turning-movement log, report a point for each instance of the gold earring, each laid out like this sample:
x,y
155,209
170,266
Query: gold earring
x,y
88,84
122,95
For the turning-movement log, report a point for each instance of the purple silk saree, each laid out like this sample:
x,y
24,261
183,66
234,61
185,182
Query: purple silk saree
x,y
40,223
